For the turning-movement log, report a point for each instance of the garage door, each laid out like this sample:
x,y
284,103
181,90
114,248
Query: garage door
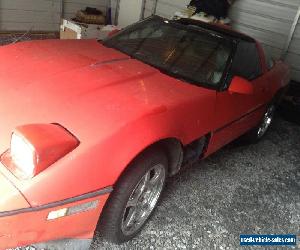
x,y
293,57
41,15
72,6
20,15
269,21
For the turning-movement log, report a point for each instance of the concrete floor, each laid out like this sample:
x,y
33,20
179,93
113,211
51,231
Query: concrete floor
x,y
242,189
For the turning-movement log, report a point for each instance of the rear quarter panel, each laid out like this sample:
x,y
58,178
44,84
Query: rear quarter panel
x,y
278,76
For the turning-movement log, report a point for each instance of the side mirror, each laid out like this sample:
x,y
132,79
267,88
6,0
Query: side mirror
x,y
240,85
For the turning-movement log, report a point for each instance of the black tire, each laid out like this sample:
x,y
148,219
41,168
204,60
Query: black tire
x,y
255,135
110,225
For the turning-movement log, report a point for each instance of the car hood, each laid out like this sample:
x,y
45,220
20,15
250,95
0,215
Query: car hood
x,y
82,85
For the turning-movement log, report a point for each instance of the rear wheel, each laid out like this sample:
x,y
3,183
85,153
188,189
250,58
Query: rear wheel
x,y
258,133
266,122
134,197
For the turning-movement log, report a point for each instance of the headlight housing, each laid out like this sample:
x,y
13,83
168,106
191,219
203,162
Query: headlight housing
x,y
35,147
23,154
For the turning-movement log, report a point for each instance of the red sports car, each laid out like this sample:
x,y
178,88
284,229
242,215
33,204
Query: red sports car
x,y
91,130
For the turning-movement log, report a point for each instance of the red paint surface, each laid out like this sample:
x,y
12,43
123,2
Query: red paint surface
x,y
33,227
114,109
11,199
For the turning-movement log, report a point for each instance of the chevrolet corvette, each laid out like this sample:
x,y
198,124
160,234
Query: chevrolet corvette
x,y
91,130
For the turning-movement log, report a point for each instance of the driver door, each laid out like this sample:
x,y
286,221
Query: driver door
x,y
236,113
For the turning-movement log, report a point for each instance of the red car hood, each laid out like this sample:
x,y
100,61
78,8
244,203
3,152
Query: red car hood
x,y
81,85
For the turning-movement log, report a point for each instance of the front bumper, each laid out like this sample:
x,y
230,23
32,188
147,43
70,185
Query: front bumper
x,y
28,226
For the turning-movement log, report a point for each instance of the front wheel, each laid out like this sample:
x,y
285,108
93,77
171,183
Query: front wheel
x,y
134,197
258,133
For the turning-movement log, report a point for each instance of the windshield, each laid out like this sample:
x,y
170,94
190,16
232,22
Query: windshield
x,y
188,53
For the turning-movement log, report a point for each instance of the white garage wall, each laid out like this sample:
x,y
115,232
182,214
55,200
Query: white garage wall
x,y
41,15
293,57
129,12
269,21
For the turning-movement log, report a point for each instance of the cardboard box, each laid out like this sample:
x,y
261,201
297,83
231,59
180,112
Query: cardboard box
x,y
74,30
67,33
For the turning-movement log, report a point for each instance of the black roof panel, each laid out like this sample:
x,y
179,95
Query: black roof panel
x,y
217,28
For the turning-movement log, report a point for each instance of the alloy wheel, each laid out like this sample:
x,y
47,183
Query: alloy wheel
x,y
143,199
267,120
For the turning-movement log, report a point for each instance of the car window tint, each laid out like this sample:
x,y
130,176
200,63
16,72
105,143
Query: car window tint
x,y
203,58
246,62
191,55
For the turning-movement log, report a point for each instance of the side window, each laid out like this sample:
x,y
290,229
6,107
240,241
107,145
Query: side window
x,y
246,61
